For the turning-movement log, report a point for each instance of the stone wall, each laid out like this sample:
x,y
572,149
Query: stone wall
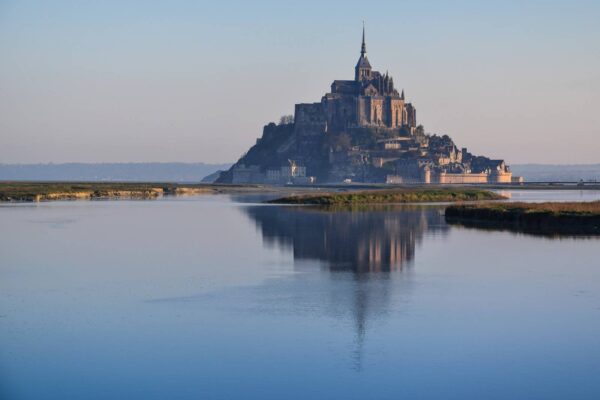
x,y
395,114
500,177
310,119
247,174
446,178
341,112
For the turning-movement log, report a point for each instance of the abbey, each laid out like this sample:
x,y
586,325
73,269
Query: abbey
x,y
362,130
369,100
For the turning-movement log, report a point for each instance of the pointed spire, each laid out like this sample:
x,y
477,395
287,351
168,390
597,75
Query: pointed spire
x,y
363,67
402,95
363,48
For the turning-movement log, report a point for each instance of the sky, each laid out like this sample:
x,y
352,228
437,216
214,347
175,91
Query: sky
x,y
195,81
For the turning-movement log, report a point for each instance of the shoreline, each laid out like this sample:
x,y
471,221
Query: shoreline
x,y
37,191
28,192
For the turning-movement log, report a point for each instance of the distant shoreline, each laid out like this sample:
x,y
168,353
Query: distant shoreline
x,y
182,172
111,172
30,191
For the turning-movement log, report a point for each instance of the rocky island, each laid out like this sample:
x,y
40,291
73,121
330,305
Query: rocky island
x,y
363,130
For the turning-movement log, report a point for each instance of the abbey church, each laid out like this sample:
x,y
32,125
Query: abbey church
x,y
363,130
369,99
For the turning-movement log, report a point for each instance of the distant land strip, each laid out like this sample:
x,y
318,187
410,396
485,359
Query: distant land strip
x,y
205,172
539,218
113,172
46,191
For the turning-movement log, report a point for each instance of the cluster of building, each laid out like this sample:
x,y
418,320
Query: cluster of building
x,y
289,174
437,160
362,130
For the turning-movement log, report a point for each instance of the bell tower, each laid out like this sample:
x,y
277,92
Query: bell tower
x,y
363,67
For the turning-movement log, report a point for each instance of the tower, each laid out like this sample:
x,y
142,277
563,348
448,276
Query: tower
x,y
363,67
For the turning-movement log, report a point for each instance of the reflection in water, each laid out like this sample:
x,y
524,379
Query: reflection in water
x,y
365,240
357,241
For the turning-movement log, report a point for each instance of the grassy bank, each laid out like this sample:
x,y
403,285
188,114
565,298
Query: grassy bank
x,y
391,196
45,191
40,191
546,218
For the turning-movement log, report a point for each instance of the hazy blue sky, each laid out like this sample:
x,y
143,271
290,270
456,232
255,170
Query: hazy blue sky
x,y
196,81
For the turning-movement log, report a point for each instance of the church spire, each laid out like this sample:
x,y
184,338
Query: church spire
x,y
363,68
402,95
363,48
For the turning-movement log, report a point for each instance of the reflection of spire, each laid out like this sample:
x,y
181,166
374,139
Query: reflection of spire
x,y
360,318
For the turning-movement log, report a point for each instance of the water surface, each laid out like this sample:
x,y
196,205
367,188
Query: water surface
x,y
215,298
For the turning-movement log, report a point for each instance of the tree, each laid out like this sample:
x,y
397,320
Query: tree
x,y
286,120
420,131
341,142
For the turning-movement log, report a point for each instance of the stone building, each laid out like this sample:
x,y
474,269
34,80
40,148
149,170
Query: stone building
x,y
291,173
370,100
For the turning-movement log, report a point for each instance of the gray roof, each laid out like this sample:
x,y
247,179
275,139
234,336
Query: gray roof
x,y
363,62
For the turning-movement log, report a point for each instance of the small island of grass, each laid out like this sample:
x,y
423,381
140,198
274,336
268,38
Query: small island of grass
x,y
386,196
546,218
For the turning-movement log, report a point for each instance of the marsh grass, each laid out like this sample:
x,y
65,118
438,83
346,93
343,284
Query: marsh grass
x,y
33,191
544,218
556,208
392,196
45,191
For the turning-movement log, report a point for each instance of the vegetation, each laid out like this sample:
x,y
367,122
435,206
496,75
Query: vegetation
x,y
36,191
369,137
547,218
286,120
392,196
340,142
40,191
274,136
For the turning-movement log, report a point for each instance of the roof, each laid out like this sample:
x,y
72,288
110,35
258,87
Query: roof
x,y
363,62
344,87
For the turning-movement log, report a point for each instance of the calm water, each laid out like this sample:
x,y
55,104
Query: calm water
x,y
216,298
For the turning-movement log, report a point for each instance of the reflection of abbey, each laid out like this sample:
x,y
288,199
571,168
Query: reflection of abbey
x,y
384,239
364,244
363,130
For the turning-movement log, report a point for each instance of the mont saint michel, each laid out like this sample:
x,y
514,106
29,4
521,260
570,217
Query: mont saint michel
x,y
363,130
162,240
